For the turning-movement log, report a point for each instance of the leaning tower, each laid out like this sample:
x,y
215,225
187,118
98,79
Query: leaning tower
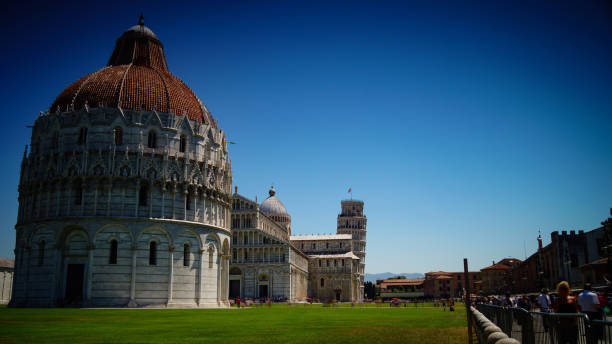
x,y
352,221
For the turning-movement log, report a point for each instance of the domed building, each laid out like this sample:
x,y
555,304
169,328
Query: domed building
x,y
275,209
268,262
125,194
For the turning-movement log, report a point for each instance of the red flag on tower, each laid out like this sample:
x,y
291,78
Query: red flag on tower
x,y
349,190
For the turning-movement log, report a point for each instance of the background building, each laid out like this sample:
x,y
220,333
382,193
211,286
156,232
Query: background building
x,y
497,278
404,288
442,284
264,263
267,261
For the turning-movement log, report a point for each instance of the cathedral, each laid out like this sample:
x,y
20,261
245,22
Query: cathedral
x,y
125,200
268,262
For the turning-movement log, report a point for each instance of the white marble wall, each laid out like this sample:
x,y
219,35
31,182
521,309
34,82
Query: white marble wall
x,y
132,280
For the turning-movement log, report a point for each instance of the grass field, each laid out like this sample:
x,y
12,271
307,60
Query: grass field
x,y
278,324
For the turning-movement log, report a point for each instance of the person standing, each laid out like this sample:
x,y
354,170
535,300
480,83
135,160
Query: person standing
x,y
568,327
589,305
544,301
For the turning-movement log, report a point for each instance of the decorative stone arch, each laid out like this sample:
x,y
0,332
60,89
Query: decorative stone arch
x,y
156,227
194,234
114,225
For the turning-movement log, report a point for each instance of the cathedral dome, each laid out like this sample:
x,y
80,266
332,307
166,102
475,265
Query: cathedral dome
x,y
137,78
272,206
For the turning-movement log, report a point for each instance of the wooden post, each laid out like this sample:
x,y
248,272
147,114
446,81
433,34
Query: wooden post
x,y
468,303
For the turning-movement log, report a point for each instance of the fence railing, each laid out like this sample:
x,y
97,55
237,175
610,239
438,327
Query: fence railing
x,y
548,328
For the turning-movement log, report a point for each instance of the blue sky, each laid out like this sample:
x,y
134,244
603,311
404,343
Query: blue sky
x,y
465,127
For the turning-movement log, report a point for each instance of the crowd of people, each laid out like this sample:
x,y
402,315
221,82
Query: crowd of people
x,y
595,306
589,302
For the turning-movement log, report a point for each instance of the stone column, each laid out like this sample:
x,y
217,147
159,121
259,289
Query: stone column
x,y
137,199
200,275
163,205
173,199
132,302
95,207
185,194
90,262
83,188
170,271
109,191
58,202
55,290
48,205
151,190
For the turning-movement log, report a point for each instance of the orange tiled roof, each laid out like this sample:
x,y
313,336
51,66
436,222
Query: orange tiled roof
x,y
137,77
497,266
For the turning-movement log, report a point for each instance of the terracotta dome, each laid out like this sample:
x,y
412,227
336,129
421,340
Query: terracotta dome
x,y
136,77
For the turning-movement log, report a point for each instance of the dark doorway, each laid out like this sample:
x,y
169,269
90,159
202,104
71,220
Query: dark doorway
x,y
234,291
74,284
263,291
338,292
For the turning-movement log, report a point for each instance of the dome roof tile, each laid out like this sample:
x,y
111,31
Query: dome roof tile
x,y
137,77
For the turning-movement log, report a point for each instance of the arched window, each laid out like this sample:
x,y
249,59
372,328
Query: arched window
x,y
153,253
78,193
143,194
112,257
83,136
186,255
41,253
118,136
319,263
322,283
210,258
183,144
152,141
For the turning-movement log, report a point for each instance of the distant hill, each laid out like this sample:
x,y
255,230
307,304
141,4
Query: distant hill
x,y
384,275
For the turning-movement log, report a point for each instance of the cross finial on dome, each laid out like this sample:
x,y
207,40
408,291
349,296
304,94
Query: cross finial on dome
x,y
141,20
272,192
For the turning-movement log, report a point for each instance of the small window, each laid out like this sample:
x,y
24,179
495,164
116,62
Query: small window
x,y
188,201
83,136
340,245
327,261
152,141
335,262
153,253
322,283
313,246
112,258
210,258
183,144
118,136
41,253
319,263
186,255
78,194
342,262
326,245
143,194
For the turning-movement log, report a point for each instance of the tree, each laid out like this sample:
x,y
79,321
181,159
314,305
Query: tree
x,y
369,289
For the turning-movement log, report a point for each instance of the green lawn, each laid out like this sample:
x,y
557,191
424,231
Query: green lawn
x,y
278,324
